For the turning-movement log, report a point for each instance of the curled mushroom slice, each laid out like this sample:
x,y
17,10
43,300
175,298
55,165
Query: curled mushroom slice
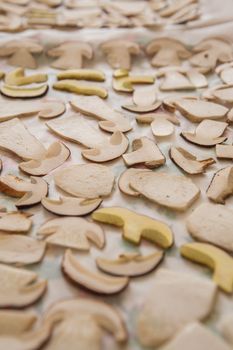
x,y
82,74
15,323
124,181
22,92
80,88
188,162
30,192
55,156
224,151
93,281
94,106
71,206
145,151
169,101
15,222
221,185
17,77
225,72
72,233
123,82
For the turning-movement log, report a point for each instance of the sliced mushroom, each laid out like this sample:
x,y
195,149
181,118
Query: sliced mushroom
x,y
221,185
145,151
22,92
55,156
224,151
88,181
94,106
82,74
124,181
223,94
70,54
15,323
72,233
226,327
144,100
169,190
169,101
30,193
188,162
226,72
15,222
80,88
123,82
162,127
17,77
175,7
51,3
71,206
150,117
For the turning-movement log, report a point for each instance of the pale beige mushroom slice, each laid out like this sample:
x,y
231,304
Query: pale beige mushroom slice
x,y
194,296
81,88
225,71
144,100
172,191
175,7
88,181
189,162
55,156
70,206
101,148
110,119
169,101
23,92
72,233
225,327
223,94
221,185
93,281
30,192
15,222
212,223
51,3
162,127
14,322
18,249
148,118
20,52
174,79
224,151
145,151
70,54
17,77
124,181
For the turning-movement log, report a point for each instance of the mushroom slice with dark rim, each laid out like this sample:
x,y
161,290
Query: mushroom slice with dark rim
x,y
23,92
221,185
15,322
224,151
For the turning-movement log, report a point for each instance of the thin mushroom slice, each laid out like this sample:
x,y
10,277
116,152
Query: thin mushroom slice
x,y
124,82
81,88
142,109
162,127
169,101
150,117
93,281
221,185
175,7
124,181
82,74
224,151
15,322
55,156
72,233
223,94
179,78
15,223
225,71
70,206
23,92
145,151
188,162
144,100
17,78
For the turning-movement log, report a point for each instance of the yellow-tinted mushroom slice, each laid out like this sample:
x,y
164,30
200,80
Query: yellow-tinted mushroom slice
x,y
17,78
82,74
125,82
23,92
80,88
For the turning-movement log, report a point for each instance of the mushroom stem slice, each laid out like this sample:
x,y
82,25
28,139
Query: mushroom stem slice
x,y
17,78
124,181
82,74
15,222
23,92
80,88
221,185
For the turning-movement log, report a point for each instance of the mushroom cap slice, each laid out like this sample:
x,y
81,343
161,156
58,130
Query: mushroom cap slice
x,y
130,264
72,233
95,282
221,185
224,151
124,181
81,88
71,206
226,72
142,109
188,162
162,127
15,222
23,92
148,118
17,78
18,249
171,191
136,226
14,322
55,156
88,181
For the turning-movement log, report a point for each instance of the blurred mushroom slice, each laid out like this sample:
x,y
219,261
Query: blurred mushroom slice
x,y
171,191
161,127
225,326
88,181
225,71
124,82
55,156
221,185
169,101
124,181
188,162
15,222
18,249
51,3
144,100
82,74
130,264
109,119
72,232
93,281
21,287
15,323
185,14
17,77
81,88
70,54
174,7
71,206
102,148
24,92
223,94
30,192
145,151
224,151
150,117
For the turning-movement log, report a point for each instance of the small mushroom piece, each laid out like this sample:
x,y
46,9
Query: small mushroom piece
x,y
144,100
225,326
93,281
124,82
130,264
215,258
82,74
225,71
17,77
80,88
162,127
30,192
224,151
70,55
223,94
55,156
188,162
174,79
221,185
88,181
72,233
119,52
15,223
23,92
145,151
15,323
136,226
172,191
167,52
124,181
70,206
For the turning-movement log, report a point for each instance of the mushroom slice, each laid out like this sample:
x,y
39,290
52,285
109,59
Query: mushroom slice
x,y
226,72
88,181
55,156
80,88
188,162
162,127
15,222
130,264
226,327
136,226
82,74
212,223
95,282
150,117
72,233
71,206
94,106
30,192
221,185
18,249
17,77
215,258
175,7
171,191
223,94
123,82
22,92
169,101
145,151
142,109
124,181
15,323
224,151
144,100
